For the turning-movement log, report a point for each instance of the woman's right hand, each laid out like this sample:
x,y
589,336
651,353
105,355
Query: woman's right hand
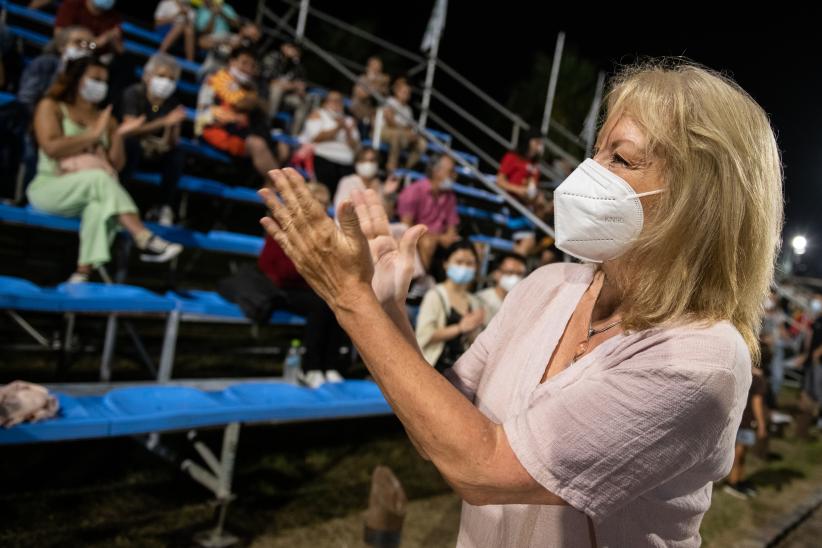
x,y
101,125
472,320
393,261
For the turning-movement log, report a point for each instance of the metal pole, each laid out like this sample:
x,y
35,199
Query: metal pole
x,y
516,205
301,19
259,18
552,83
590,130
433,53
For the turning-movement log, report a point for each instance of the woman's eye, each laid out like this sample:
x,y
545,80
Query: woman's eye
x,y
619,159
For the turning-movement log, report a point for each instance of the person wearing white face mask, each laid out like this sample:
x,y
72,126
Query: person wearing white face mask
x,y
602,402
81,150
450,315
510,270
334,138
69,43
366,176
153,145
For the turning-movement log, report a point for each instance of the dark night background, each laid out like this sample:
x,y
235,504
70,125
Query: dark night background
x,y
506,48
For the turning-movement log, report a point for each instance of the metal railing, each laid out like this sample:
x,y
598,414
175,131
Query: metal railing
x,y
442,145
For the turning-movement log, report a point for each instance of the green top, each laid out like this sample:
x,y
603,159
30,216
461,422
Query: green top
x,y
46,165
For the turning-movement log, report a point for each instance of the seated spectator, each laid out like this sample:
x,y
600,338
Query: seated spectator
x,y
334,138
366,177
81,149
284,74
99,17
519,169
753,429
215,21
323,338
231,115
509,271
431,202
153,145
519,175
450,316
363,105
398,128
219,46
175,18
69,43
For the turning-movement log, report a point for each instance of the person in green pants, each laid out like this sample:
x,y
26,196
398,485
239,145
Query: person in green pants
x,y
81,151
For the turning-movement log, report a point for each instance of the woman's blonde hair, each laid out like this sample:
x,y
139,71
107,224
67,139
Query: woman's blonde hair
x,y
710,242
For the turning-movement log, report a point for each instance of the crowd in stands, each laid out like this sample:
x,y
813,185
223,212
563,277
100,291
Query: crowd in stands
x,y
91,124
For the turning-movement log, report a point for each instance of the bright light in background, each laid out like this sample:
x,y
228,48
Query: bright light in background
x,y
799,244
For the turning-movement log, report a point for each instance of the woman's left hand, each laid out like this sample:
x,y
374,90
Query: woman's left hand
x,y
335,261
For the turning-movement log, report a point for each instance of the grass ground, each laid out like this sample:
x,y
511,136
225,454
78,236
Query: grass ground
x,y
298,485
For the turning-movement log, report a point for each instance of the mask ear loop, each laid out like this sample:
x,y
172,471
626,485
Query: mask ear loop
x,y
650,192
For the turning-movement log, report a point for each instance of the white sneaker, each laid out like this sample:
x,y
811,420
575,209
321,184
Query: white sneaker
x,y
313,378
333,376
166,216
78,278
158,250
777,417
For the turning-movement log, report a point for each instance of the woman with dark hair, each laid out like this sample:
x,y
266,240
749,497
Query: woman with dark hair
x,y
519,169
81,150
450,315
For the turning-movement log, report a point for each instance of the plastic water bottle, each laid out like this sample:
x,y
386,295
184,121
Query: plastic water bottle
x,y
293,363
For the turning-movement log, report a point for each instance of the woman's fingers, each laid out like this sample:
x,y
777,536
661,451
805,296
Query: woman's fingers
x,y
281,227
350,223
286,191
376,211
408,244
361,208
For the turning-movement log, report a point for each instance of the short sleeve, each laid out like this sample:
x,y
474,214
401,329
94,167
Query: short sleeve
x,y
202,19
131,102
407,202
312,128
66,13
453,219
506,165
465,375
611,436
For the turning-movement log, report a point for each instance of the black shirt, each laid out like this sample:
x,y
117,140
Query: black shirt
x,y
135,103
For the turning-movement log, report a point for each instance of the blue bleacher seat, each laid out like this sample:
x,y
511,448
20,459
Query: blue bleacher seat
x,y
162,408
209,305
215,240
19,294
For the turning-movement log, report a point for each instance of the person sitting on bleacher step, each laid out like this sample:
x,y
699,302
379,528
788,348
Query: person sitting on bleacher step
x,y
327,347
81,149
334,138
155,142
69,43
231,115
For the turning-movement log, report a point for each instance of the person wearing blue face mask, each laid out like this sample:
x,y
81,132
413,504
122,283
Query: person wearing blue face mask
x,y
99,16
450,316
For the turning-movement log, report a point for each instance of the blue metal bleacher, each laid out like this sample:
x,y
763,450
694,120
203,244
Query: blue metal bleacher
x,y
48,19
214,240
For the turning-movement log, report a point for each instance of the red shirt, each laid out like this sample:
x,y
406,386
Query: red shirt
x,y
75,12
517,169
274,263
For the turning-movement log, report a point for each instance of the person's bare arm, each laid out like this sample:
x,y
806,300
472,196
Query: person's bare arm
x,y
517,190
758,407
470,450
49,132
172,119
